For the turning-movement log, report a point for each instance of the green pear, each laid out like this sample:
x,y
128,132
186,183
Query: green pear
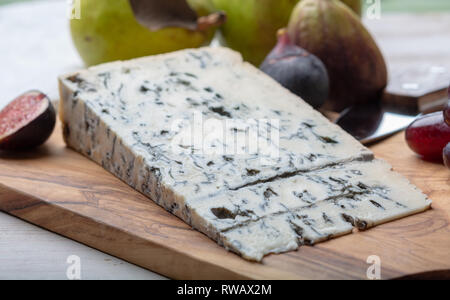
x,y
334,33
252,25
108,31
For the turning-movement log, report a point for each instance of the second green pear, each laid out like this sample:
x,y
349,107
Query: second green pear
x,y
252,25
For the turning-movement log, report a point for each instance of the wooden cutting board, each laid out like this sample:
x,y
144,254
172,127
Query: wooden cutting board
x,y
60,190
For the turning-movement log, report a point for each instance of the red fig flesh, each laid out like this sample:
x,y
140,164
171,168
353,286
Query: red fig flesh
x,y
26,122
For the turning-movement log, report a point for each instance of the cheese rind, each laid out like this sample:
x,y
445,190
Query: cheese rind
x,y
168,127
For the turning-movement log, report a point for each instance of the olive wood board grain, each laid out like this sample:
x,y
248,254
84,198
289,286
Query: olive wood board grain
x,y
64,192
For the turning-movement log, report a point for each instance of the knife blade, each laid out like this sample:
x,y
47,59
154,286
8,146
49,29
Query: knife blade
x,y
373,122
411,92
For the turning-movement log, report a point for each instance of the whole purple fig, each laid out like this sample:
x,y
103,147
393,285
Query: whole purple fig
x,y
297,70
334,33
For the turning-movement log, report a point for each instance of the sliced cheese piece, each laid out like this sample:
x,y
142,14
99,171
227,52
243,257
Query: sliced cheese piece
x,y
315,223
307,188
286,231
316,206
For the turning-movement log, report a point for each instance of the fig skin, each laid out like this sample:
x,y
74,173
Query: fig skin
x,y
447,111
355,5
446,155
252,24
297,70
33,134
330,30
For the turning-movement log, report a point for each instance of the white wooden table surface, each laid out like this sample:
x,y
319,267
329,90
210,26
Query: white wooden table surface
x,y
35,48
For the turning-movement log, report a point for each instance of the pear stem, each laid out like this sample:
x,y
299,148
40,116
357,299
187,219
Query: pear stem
x,y
213,20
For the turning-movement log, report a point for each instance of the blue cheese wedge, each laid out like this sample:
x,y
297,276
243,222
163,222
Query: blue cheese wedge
x,y
200,131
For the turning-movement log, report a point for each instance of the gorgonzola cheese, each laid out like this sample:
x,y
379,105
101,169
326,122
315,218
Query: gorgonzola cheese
x,y
228,150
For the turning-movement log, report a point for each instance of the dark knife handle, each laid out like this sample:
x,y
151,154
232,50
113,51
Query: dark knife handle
x,y
417,88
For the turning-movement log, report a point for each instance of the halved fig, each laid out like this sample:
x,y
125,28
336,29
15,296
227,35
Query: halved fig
x,y
26,122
